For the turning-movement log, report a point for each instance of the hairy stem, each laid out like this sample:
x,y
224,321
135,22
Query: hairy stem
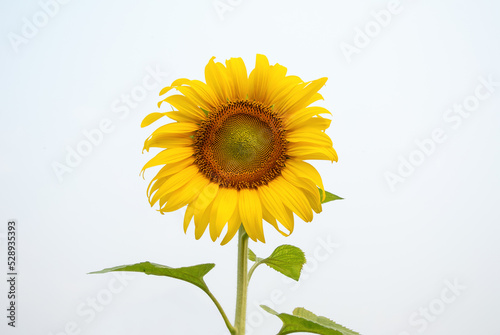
x,y
242,282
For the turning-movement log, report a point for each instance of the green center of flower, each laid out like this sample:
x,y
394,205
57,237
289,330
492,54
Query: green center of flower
x,y
241,145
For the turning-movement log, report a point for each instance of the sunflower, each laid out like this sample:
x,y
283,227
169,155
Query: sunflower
x,y
235,153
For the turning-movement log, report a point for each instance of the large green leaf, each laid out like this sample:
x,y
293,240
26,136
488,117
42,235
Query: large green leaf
x,y
192,274
285,259
302,320
328,196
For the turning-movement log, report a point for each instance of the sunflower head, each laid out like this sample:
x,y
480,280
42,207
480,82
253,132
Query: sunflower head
x,y
236,149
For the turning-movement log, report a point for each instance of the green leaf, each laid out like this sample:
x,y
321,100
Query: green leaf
x,y
251,256
205,111
287,260
302,320
191,274
329,196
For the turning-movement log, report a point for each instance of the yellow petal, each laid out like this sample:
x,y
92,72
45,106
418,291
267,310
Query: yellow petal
x,y
258,79
307,185
153,186
305,170
277,73
272,201
167,171
318,122
179,179
266,215
232,227
202,204
314,200
169,156
185,195
314,98
277,83
284,89
301,97
217,80
222,210
293,198
185,105
163,200
303,150
204,100
202,223
176,83
205,92
182,117
183,129
171,169
251,213
166,141
188,216
162,193
290,219
309,135
150,118
237,72
295,120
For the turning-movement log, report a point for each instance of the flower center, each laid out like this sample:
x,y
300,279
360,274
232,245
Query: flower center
x,y
241,145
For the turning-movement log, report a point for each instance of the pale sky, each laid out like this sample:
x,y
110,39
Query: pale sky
x,y
414,89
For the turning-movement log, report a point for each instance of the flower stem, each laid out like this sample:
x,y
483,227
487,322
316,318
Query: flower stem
x,y
242,282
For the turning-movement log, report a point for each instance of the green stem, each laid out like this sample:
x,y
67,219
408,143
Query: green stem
x,y
229,326
242,282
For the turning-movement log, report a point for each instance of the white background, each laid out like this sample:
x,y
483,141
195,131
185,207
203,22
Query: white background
x,y
393,250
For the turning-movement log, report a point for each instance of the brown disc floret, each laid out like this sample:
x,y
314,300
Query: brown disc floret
x,y
241,145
